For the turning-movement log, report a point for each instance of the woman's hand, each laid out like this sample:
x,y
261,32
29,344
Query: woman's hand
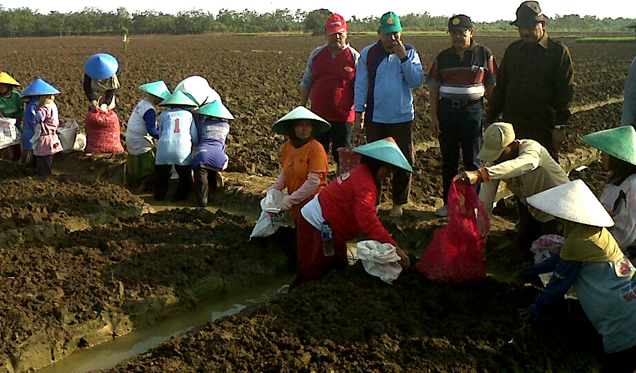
x,y
405,262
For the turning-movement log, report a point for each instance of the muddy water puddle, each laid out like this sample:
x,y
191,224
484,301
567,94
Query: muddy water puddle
x,y
109,354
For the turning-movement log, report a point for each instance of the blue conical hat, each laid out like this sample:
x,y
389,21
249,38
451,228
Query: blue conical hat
x,y
101,66
178,98
215,109
385,150
282,125
39,88
618,142
159,89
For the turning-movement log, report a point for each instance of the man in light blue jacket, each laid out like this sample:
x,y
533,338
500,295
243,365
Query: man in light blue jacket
x,y
387,72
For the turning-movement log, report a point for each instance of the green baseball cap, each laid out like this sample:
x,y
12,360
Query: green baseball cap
x,y
282,125
159,89
389,23
215,109
179,99
618,142
385,150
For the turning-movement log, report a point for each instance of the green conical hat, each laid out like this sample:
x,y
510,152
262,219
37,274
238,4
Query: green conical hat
x,y
618,142
215,109
320,125
178,98
159,89
385,150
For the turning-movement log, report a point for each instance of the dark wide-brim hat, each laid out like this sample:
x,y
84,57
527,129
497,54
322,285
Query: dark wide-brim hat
x,y
528,15
284,124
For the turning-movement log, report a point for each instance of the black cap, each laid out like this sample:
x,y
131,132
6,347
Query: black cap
x,y
528,15
460,22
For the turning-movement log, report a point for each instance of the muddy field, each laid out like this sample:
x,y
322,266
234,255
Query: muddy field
x,y
80,264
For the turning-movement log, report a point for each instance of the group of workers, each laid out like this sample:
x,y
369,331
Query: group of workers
x,y
349,91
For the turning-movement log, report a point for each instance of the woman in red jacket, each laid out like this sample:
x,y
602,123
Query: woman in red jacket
x,y
347,207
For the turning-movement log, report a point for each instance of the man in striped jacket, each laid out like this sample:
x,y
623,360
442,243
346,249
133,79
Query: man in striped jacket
x,y
458,81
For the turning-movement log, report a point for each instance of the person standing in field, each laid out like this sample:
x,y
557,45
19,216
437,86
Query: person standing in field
x,y
11,106
629,104
141,134
101,82
387,72
535,82
458,81
328,79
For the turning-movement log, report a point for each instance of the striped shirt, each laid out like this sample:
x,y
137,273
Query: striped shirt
x,y
463,78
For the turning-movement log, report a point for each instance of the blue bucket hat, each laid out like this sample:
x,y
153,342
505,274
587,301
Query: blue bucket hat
x,y
215,109
101,66
39,88
385,150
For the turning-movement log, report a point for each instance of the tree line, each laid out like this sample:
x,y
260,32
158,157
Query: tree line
x,y
21,22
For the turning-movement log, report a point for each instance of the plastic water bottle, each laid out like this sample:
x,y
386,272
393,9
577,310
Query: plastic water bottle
x,y
327,239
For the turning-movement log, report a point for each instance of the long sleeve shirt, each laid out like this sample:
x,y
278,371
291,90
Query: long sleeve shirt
x,y
383,84
178,134
142,128
531,172
31,120
629,105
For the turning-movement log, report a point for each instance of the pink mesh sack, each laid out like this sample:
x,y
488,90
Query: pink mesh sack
x,y
455,255
103,132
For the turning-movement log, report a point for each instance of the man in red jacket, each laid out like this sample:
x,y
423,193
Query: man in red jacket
x,y
329,78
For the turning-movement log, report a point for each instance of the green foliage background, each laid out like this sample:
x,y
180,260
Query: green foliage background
x,y
17,22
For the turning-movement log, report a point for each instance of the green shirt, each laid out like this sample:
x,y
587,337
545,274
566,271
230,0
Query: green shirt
x,y
12,107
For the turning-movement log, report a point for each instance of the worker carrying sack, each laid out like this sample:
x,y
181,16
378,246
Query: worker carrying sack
x,y
103,132
271,217
455,254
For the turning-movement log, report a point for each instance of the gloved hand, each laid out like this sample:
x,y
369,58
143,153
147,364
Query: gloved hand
x,y
286,204
104,108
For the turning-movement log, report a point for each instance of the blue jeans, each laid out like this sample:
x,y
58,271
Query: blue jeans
x,y
461,128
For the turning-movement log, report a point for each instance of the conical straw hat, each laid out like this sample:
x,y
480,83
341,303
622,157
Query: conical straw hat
x,y
7,79
198,89
38,88
385,150
101,66
178,98
320,125
618,142
215,109
159,89
572,201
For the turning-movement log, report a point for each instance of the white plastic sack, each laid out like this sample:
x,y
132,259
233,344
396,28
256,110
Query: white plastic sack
x,y
268,224
67,135
9,134
380,260
80,142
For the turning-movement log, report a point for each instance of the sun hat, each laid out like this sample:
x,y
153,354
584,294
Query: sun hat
x,y
39,88
460,22
618,142
320,125
215,109
528,15
178,98
7,79
573,201
336,24
496,138
385,150
198,89
101,66
390,23
158,89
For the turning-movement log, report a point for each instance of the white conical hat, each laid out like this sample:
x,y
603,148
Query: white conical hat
x,y
197,88
572,201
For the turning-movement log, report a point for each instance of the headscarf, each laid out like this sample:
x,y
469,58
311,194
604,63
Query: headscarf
x,y
586,243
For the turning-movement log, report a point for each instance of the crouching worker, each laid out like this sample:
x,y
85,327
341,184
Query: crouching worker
x,y
210,158
44,137
347,207
10,107
141,134
591,260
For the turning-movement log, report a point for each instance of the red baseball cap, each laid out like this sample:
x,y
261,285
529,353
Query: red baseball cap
x,y
336,24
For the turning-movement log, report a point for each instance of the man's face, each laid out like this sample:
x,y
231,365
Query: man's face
x,y
460,39
531,35
389,40
337,41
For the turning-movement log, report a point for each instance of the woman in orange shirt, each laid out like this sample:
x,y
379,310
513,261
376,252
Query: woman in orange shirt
x,y
304,159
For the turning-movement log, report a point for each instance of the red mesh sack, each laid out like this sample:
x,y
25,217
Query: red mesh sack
x,y
103,132
455,254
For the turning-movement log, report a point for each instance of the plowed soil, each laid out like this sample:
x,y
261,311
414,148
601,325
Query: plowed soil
x,y
80,265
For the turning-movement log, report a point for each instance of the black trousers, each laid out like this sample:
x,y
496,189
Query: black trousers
x,y
43,164
530,228
163,179
339,136
203,177
402,133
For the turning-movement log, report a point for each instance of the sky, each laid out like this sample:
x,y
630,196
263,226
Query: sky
x,y
479,11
